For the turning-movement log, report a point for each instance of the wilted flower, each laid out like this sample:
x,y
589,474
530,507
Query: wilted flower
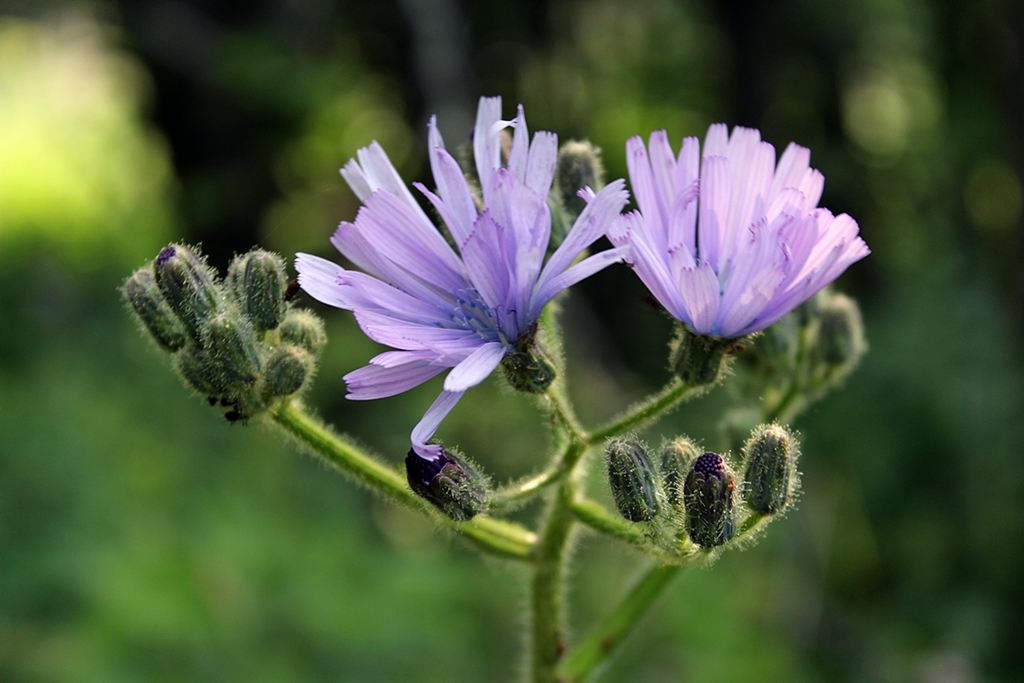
x,y
441,309
733,252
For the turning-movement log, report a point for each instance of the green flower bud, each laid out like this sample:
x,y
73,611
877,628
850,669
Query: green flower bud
x,y
676,457
697,359
448,482
187,285
145,299
632,479
257,280
770,455
708,498
526,368
200,372
840,330
229,341
578,166
286,370
303,328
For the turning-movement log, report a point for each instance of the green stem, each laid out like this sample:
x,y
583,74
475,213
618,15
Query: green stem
x,y
547,593
674,393
496,537
600,644
595,516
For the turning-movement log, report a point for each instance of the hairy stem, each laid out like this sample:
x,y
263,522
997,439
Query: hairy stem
x,y
596,649
493,536
548,596
674,393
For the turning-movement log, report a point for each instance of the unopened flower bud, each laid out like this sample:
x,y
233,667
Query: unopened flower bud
x,y
708,497
448,482
187,285
230,344
257,280
286,370
303,328
578,166
840,330
632,479
145,299
770,455
676,457
200,371
526,367
696,358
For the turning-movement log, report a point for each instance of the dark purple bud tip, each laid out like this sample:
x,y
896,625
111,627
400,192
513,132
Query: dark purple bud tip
x,y
421,472
166,254
448,482
710,465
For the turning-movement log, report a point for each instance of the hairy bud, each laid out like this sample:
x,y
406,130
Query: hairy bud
x,y
303,328
187,285
578,166
696,358
286,370
708,498
449,483
231,346
257,280
770,455
676,457
632,479
840,330
145,299
200,371
526,367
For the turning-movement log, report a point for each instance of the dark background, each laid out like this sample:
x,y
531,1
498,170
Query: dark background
x,y
144,539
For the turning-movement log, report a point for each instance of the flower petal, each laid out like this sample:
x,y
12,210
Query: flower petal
x,y
432,419
377,381
476,367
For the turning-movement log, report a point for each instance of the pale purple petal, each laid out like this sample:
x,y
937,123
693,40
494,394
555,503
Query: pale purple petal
x,y
592,224
435,414
376,381
574,274
540,170
487,261
381,175
698,287
519,155
319,278
486,145
476,367
715,195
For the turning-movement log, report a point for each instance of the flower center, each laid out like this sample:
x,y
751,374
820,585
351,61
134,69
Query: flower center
x,y
472,313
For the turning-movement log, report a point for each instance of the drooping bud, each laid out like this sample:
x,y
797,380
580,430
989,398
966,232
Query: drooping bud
x,y
840,330
231,346
676,457
448,482
286,370
145,299
770,455
257,280
632,479
696,358
578,166
187,285
303,328
526,367
708,498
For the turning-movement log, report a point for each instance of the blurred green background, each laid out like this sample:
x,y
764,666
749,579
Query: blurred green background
x,y
142,538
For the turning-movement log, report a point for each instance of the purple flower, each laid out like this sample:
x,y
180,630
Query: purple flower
x,y
440,309
733,252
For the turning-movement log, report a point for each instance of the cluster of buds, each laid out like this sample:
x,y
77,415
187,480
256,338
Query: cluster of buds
x,y
698,492
820,342
240,342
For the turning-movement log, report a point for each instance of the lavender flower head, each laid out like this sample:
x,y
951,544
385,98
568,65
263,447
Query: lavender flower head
x,y
733,252
440,309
